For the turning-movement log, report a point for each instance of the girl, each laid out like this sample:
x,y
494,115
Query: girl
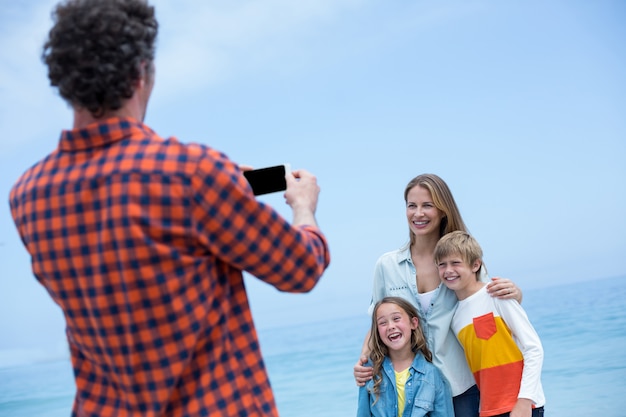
x,y
405,382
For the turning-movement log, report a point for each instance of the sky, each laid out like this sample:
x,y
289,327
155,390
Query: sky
x,y
518,105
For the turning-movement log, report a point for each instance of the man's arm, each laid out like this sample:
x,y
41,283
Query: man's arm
x,y
247,234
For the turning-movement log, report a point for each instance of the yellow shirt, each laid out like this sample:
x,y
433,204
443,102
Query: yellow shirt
x,y
401,378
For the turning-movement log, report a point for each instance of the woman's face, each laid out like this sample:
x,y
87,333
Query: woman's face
x,y
423,217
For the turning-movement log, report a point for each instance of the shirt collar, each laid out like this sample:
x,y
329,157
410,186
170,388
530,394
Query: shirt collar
x,y
404,254
418,365
99,134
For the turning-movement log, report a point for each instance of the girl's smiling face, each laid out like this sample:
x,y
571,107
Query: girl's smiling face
x,y
395,326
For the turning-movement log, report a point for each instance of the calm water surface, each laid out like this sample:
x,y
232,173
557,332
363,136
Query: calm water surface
x,y
582,327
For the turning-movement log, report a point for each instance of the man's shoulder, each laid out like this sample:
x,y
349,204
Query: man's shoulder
x,y
173,149
30,173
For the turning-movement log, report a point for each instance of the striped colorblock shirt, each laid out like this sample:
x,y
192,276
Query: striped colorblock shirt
x,y
502,349
142,242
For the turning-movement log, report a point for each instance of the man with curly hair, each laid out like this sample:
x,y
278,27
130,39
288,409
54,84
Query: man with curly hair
x,y
142,240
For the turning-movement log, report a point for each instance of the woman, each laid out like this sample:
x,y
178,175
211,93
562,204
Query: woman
x,y
410,272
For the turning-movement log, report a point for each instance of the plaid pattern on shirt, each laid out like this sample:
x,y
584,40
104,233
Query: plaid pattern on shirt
x,y
142,241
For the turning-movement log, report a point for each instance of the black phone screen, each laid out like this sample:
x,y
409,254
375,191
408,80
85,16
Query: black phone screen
x,y
267,180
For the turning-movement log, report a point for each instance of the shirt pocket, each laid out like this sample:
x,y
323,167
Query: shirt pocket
x,y
485,326
381,401
421,408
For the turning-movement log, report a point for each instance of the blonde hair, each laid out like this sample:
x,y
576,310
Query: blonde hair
x,y
461,244
378,350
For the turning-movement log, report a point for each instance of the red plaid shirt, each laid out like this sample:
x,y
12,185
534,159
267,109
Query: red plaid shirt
x,y
142,241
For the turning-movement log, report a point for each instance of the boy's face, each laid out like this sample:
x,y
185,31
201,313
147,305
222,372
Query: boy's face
x,y
458,275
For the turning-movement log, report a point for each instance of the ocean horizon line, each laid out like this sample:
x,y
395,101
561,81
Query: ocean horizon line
x,y
28,356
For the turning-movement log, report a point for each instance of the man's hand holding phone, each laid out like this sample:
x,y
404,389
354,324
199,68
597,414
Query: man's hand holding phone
x,y
300,186
301,195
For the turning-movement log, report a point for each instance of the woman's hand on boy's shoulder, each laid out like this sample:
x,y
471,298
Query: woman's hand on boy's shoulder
x,y
504,289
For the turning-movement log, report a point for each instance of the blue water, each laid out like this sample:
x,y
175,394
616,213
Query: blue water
x,y
582,327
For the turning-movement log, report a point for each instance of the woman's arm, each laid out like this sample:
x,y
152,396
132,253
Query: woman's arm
x,y
363,373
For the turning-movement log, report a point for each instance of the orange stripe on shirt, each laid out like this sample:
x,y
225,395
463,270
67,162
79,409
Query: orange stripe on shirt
x,y
496,362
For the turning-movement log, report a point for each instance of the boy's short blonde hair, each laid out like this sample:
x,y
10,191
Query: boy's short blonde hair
x,y
461,244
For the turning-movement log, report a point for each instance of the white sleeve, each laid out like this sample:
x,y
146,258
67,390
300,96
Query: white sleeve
x,y
529,343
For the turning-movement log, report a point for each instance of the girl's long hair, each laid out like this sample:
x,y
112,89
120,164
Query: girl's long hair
x,y
378,350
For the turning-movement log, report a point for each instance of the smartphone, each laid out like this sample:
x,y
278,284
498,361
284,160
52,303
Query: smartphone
x,y
268,180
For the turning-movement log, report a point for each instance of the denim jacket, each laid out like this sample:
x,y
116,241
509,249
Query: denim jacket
x,y
426,391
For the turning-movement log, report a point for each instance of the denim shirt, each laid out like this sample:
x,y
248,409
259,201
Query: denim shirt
x,y
394,275
426,393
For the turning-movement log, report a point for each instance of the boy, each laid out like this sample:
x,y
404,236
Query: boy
x,y
501,346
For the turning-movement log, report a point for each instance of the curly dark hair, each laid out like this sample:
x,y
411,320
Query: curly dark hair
x,y
98,49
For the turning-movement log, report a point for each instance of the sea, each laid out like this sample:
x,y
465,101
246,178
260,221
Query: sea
x,y
582,327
